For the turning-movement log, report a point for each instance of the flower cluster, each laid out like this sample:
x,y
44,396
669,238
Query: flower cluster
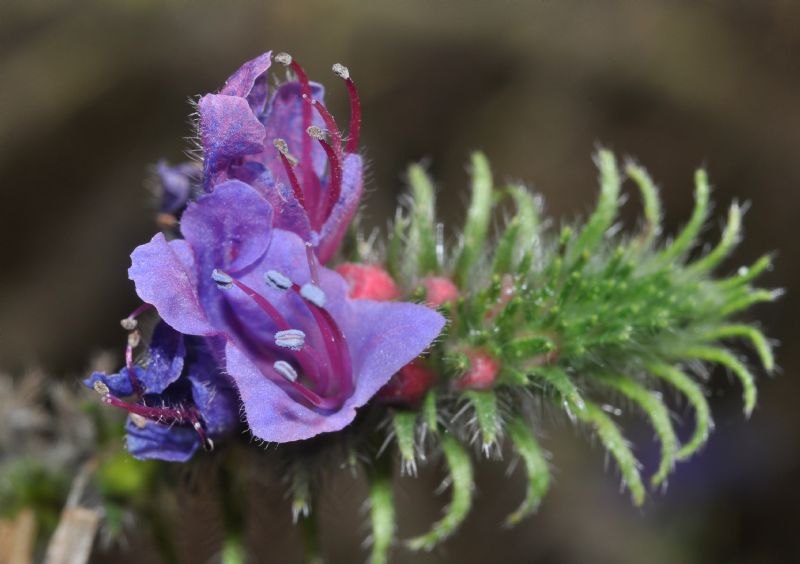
x,y
249,318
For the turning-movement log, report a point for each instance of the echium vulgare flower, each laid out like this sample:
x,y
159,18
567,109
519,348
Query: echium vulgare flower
x,y
180,401
302,354
246,276
288,147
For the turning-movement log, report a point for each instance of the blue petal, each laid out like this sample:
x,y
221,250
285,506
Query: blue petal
x,y
167,352
118,384
213,394
228,130
165,276
161,442
229,228
250,82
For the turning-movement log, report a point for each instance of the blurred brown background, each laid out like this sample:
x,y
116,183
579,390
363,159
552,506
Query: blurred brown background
x,y
91,93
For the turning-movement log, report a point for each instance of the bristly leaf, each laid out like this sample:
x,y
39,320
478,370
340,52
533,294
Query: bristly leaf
x,y
726,359
462,484
652,205
694,393
613,441
382,517
405,428
730,237
657,412
485,405
563,384
756,338
528,214
476,225
422,231
687,238
603,217
536,469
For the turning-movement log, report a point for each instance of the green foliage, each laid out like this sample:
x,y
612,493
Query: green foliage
x,y
580,315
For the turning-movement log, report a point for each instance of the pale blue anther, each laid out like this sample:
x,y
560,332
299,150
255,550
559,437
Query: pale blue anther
x,y
292,339
286,370
276,280
222,279
314,294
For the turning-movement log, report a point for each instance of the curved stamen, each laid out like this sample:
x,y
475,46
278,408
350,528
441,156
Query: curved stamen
x,y
330,123
305,90
287,160
335,185
130,323
334,339
355,107
307,358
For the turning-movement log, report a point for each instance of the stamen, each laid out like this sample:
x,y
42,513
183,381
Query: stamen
x,y
355,107
221,278
101,388
335,186
284,58
307,358
335,346
283,149
134,338
292,339
276,280
129,324
286,370
312,263
330,123
314,294
138,420
316,132
293,182
305,90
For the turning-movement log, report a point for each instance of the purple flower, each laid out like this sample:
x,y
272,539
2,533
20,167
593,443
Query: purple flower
x,y
180,400
176,185
288,147
303,355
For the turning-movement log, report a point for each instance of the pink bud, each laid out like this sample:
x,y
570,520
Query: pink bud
x,y
439,290
408,385
481,373
368,282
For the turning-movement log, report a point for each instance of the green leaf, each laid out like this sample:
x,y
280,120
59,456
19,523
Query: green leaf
x,y
477,222
730,238
658,414
382,513
536,468
422,233
694,393
556,377
405,427
506,246
652,204
748,300
430,415
462,484
485,405
756,338
726,359
613,441
746,274
607,205
528,214
396,251
684,242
